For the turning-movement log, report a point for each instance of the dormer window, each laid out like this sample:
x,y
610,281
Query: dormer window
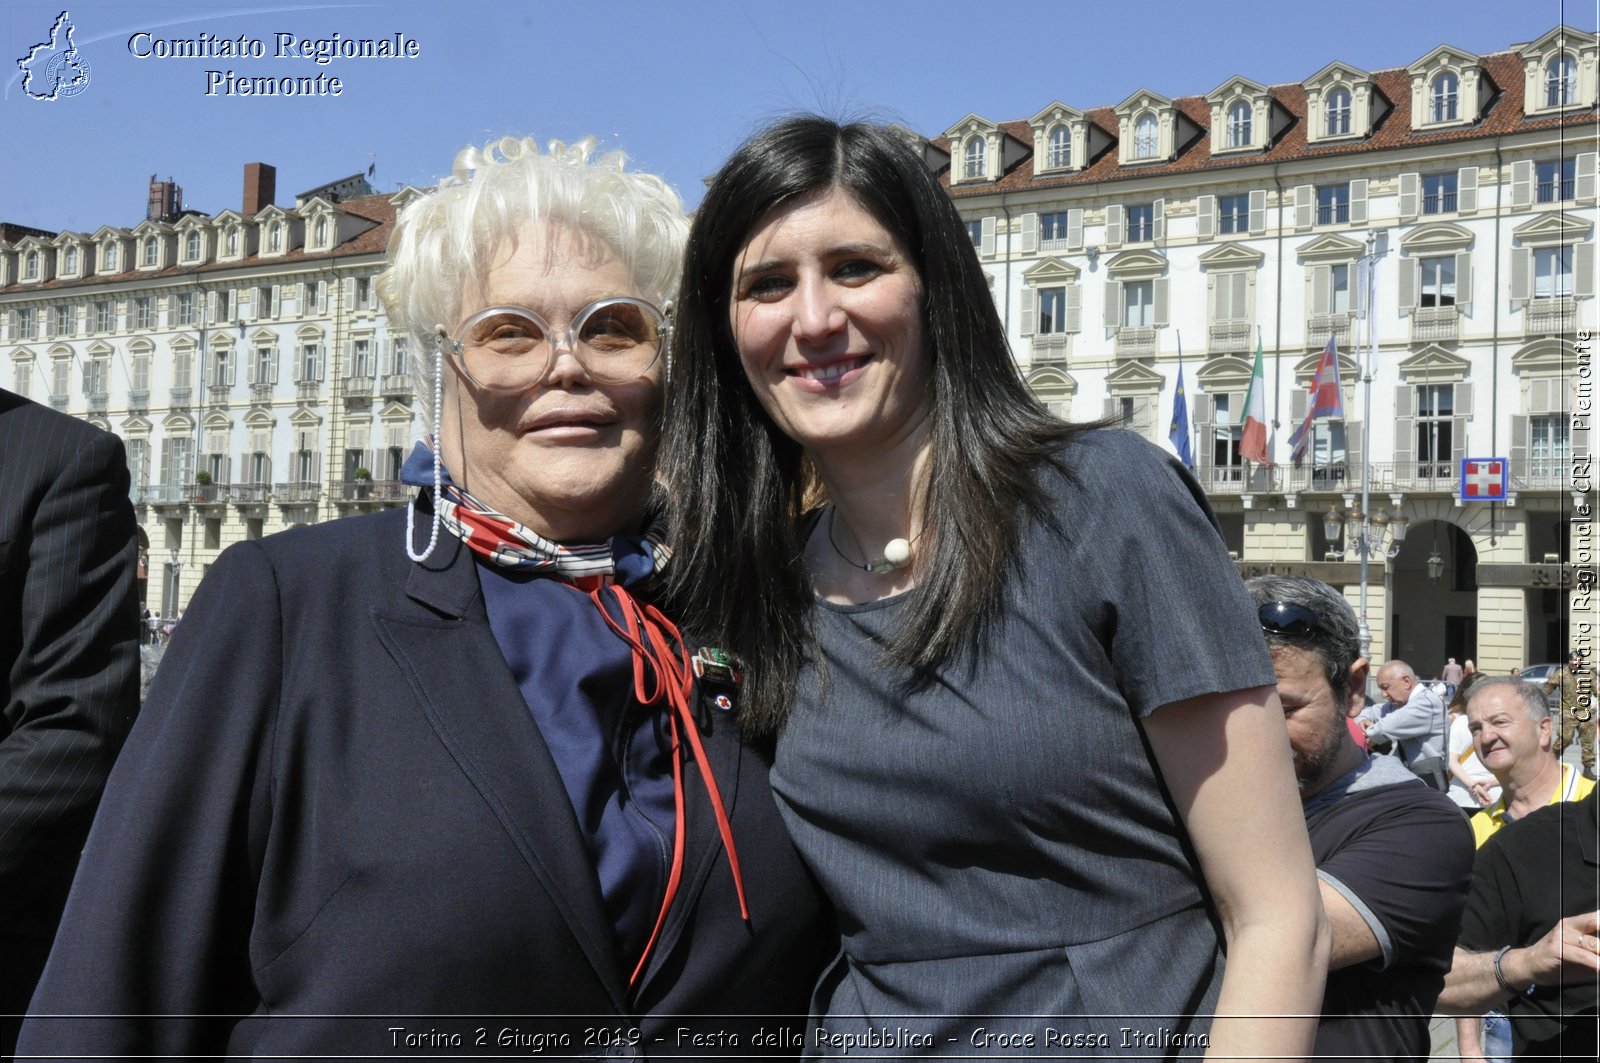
x,y
232,241
1338,112
320,233
71,265
1561,82
275,238
974,158
191,246
150,251
1060,153
30,267
1146,137
1239,116
111,257
1444,98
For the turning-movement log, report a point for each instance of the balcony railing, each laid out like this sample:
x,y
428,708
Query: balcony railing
x,y
1434,324
1554,474
218,395
1343,476
180,396
397,385
209,494
1054,243
356,387
307,390
1136,341
98,401
1319,327
297,492
1549,317
58,401
139,399
1230,337
1049,347
250,494
368,491
169,494
261,393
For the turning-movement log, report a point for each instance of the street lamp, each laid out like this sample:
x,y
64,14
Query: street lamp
x,y
1369,536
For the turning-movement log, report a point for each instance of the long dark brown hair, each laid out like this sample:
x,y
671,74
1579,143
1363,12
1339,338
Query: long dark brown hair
x,y
736,482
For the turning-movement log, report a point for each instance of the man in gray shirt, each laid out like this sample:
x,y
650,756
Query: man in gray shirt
x,y
1414,721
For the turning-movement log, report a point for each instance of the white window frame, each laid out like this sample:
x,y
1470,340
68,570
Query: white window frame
x,y
1561,81
975,158
1444,97
1059,155
1241,120
1146,137
1338,110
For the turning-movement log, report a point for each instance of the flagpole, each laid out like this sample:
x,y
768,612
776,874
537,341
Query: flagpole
x,y
1370,291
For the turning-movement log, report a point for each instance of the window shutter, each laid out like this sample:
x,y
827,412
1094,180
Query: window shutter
x,y
1583,271
987,248
1297,407
1114,225
272,366
1467,190
1519,444
1584,186
1410,193
1321,288
350,293
1159,310
276,299
1539,395
230,367
1352,447
1110,407
1358,201
1074,308
1302,207
1579,445
1405,438
357,437
1410,281
395,435
1113,307
1075,229
1464,280
1030,233
1521,184
250,373
1462,399
1030,311
1158,210
1206,215
1521,275
1202,408
1258,212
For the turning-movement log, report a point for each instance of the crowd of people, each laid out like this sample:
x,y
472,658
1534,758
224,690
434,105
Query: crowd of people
x,y
757,670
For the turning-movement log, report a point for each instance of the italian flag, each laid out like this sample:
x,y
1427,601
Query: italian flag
x,y
1253,438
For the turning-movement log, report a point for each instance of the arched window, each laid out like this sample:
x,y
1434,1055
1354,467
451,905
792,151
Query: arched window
x,y
150,251
275,238
233,240
321,236
111,257
1239,116
1060,147
191,246
1338,110
1443,106
1561,82
1146,138
975,156
72,260
30,269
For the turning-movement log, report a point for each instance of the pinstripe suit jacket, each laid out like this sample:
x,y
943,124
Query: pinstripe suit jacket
x,y
69,663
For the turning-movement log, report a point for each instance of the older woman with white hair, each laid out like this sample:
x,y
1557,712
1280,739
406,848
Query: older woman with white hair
x,y
446,779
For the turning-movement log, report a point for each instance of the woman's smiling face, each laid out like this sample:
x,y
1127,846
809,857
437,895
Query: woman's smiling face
x,y
827,316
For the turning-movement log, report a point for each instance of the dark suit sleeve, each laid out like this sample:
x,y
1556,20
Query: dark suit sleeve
x,y
159,920
74,683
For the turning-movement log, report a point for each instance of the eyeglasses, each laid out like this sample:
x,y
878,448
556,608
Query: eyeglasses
x,y
1290,621
511,348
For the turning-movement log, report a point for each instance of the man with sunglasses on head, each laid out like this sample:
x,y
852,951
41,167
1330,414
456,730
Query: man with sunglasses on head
x,y
1394,858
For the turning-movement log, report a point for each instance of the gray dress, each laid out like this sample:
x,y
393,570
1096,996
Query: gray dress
x,y
1008,870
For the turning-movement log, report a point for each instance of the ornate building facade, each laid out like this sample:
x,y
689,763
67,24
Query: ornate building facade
x,y
1119,239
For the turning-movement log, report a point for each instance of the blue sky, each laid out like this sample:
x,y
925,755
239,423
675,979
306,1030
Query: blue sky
x,y
677,85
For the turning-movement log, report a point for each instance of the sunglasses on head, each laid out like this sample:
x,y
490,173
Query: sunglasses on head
x,y
1288,620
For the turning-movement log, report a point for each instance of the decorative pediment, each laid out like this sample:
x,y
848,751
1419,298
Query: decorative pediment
x,y
1438,238
1143,100
109,232
271,212
1445,56
1434,362
136,425
404,198
263,337
177,424
1555,228
1232,256
22,354
1132,377
1050,271
395,411
258,420
308,333
1063,139
1238,85
99,421
1306,368
68,238
1052,379
1227,372
1136,264
218,421
1331,247
142,346
228,217
304,420
100,348
1056,112
1557,39
1543,356
184,343
191,221
60,350
151,227
1335,73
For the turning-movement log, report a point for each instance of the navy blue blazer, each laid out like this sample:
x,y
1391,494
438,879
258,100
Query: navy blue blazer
x,y
336,827
69,666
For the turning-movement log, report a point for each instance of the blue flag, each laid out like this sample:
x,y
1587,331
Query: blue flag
x,y
1179,432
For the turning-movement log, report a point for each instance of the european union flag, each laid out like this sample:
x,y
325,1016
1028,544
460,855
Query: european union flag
x,y
1179,432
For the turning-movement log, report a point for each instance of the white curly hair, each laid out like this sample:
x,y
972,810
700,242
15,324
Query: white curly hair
x,y
450,236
